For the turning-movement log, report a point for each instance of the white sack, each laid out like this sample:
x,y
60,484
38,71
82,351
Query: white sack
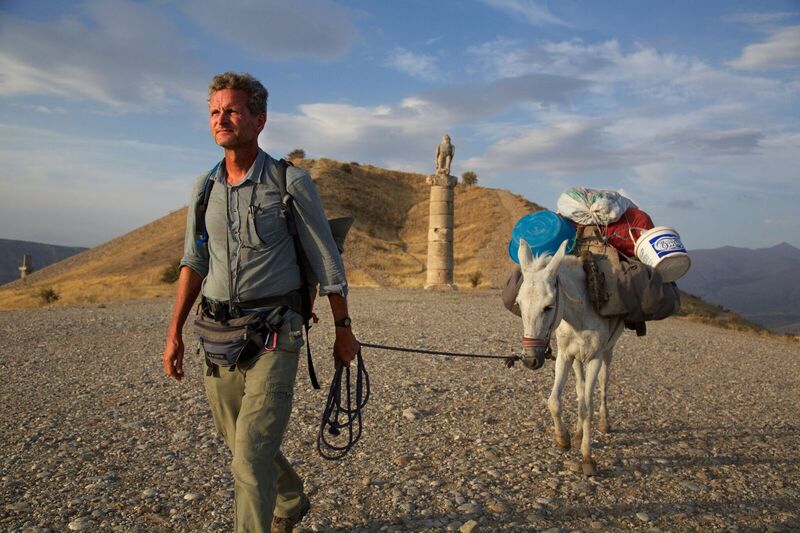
x,y
592,206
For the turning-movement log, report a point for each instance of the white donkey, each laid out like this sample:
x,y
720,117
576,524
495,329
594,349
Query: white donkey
x,y
553,297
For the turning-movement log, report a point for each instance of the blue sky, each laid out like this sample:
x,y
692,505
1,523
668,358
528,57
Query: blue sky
x,y
690,108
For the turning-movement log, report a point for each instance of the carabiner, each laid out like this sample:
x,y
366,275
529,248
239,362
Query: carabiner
x,y
274,336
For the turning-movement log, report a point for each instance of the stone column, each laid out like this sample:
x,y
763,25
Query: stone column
x,y
440,233
26,267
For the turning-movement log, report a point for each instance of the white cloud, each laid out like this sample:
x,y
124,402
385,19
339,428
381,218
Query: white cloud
x,y
89,190
569,145
405,133
780,50
421,66
120,53
483,100
532,12
758,18
617,76
317,29
129,56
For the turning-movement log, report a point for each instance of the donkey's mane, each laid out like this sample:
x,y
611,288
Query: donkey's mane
x,y
542,261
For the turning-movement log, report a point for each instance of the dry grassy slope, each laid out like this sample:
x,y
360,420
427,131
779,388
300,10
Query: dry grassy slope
x,y
386,247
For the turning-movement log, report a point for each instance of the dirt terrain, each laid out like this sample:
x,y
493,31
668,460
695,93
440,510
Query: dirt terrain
x,y
706,428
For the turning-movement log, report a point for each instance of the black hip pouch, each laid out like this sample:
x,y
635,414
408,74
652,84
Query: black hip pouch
x,y
234,341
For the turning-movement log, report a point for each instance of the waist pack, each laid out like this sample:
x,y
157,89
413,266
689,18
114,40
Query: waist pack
x,y
237,340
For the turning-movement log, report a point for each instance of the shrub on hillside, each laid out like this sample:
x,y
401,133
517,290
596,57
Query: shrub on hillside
x,y
171,272
475,278
469,178
48,295
297,153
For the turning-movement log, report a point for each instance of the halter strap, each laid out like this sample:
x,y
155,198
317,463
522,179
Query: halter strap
x,y
531,342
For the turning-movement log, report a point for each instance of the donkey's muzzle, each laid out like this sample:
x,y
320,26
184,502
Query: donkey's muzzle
x,y
534,357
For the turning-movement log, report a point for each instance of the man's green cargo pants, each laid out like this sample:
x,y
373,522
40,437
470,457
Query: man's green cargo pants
x,y
251,407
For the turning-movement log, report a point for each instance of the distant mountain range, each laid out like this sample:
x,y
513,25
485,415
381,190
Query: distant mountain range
x,y
11,253
760,284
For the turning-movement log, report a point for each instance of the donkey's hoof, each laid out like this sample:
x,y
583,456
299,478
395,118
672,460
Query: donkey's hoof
x,y
589,467
604,426
577,439
562,441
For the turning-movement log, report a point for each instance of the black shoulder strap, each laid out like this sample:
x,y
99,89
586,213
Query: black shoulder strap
x,y
200,208
287,211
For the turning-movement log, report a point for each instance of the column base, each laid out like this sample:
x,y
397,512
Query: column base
x,y
441,287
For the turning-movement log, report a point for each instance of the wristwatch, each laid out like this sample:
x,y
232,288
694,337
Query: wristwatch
x,y
343,323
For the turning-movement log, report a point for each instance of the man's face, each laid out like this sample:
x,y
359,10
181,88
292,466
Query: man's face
x,y
230,120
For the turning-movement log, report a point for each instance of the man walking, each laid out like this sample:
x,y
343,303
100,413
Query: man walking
x,y
248,265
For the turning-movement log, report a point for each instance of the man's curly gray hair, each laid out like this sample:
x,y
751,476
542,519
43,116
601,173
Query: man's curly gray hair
x,y
257,93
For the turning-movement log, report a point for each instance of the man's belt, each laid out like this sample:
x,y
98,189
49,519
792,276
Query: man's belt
x,y
223,311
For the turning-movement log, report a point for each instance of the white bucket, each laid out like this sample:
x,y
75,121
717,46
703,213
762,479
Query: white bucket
x,y
662,249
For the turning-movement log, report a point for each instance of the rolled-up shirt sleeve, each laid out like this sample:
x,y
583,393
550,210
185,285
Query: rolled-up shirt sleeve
x,y
315,234
195,256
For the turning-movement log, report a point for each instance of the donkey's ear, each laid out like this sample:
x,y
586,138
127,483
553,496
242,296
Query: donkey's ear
x,y
555,262
525,255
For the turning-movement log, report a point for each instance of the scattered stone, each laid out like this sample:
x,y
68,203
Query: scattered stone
x,y
181,435
410,413
81,524
643,516
402,460
695,487
471,526
497,507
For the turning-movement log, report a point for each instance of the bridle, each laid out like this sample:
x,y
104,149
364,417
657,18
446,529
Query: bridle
x,y
538,349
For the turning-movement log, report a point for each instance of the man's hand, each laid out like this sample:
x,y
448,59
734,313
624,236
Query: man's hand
x,y
189,283
346,346
173,357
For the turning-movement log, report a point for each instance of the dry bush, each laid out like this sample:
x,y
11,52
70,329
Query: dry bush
x,y
171,272
475,278
297,153
48,295
469,178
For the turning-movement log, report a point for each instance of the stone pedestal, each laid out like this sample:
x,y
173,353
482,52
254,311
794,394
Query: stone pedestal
x,y
440,233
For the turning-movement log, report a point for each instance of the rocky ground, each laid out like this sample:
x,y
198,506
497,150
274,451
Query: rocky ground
x,y
706,429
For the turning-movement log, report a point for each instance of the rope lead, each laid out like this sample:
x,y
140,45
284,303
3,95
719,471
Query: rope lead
x,y
339,415
349,413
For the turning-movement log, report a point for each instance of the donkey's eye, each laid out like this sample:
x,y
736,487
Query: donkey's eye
x,y
548,308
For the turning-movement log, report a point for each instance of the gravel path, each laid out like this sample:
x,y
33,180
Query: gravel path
x,y
706,429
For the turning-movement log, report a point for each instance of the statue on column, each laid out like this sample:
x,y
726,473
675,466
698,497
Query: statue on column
x,y
444,155
440,223
444,158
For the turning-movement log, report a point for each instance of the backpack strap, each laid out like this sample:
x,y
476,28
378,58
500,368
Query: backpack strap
x,y
287,211
200,208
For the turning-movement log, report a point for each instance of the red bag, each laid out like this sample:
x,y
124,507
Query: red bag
x,y
623,233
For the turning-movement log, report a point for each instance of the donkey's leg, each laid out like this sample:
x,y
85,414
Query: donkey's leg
x,y
577,369
554,402
585,413
605,374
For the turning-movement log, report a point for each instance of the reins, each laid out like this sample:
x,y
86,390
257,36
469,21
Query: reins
x,y
509,359
344,412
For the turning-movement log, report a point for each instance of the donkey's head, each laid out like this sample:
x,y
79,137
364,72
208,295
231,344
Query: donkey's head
x,y
538,301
